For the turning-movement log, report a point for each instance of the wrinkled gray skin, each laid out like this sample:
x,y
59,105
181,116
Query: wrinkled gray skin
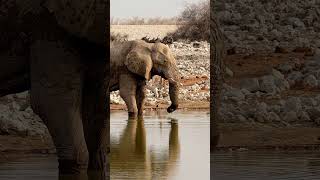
x,y
65,73
132,63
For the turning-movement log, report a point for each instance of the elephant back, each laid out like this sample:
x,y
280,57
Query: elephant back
x,y
82,18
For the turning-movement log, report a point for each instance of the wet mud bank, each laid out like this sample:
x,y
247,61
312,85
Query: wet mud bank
x,y
15,147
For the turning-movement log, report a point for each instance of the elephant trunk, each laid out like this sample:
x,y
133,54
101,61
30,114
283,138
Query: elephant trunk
x,y
174,86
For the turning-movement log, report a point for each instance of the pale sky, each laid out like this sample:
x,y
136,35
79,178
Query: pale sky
x,y
147,8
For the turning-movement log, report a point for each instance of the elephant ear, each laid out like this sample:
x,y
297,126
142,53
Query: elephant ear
x,y
139,62
82,18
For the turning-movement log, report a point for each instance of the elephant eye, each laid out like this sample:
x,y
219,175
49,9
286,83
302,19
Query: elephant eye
x,y
162,58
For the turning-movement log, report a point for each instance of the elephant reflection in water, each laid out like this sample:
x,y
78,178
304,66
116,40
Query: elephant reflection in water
x,y
131,156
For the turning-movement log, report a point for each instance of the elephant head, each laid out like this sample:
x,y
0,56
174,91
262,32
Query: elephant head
x,y
85,19
148,59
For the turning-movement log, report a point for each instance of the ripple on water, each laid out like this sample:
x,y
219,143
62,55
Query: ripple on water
x,y
31,168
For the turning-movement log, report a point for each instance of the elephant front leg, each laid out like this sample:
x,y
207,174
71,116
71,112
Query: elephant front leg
x,y
56,97
128,87
95,113
140,96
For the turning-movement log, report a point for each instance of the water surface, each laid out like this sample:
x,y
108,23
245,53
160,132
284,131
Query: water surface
x,y
175,146
269,165
35,167
161,146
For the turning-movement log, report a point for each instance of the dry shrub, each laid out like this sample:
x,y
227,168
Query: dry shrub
x,y
118,37
195,23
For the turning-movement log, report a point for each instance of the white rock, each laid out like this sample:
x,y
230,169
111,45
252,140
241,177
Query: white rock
x,y
235,94
310,81
317,121
274,117
241,118
251,84
275,108
290,116
267,84
296,22
308,101
314,112
277,74
285,68
294,77
303,116
245,92
292,104
261,113
229,72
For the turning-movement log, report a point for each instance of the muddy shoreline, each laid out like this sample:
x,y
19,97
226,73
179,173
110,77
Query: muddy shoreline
x,y
14,147
239,137
161,106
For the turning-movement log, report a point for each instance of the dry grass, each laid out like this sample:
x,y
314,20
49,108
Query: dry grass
x,y
139,31
144,21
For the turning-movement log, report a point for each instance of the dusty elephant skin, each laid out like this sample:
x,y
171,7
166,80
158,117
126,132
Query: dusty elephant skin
x,y
42,49
132,63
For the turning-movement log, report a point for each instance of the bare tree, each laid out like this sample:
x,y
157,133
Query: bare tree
x,y
217,68
194,22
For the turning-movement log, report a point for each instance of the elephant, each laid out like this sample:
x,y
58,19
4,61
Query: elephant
x,y
58,50
132,63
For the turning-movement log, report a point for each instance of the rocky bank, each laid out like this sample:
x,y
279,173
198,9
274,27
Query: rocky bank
x,y
17,117
259,25
287,96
